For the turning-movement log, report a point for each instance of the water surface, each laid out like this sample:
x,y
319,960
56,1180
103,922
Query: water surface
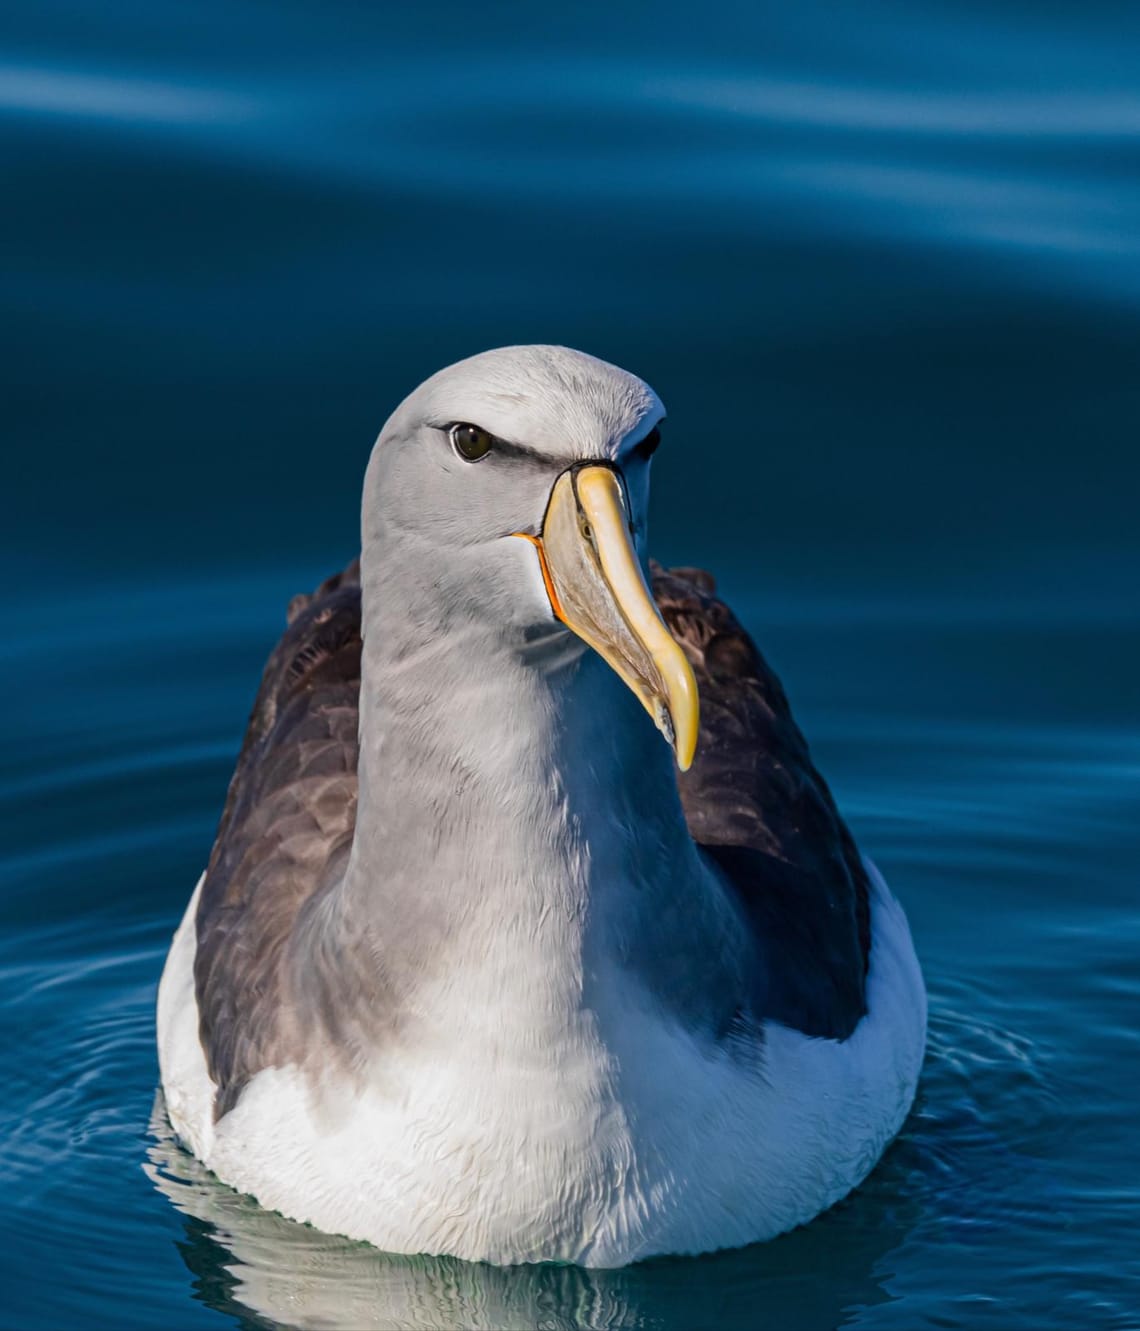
x,y
883,266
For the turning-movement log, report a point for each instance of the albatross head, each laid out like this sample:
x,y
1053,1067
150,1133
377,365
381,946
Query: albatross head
x,y
511,490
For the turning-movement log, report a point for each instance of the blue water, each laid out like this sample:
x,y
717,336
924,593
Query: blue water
x,y
882,261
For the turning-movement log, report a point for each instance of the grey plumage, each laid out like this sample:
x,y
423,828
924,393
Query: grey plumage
x,y
752,799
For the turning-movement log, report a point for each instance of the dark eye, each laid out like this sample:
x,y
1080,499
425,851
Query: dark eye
x,y
470,442
648,445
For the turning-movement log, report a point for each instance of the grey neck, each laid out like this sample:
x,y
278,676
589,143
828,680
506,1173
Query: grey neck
x,y
518,791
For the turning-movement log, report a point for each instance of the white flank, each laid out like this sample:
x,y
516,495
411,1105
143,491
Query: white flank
x,y
602,1147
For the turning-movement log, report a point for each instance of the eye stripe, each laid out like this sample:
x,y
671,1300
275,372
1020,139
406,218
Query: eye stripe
x,y
473,443
501,447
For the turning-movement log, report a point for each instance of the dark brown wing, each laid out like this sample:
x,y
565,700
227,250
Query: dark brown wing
x,y
286,828
756,804
752,799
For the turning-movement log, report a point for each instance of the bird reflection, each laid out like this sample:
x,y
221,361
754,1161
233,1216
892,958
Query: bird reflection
x,y
263,1270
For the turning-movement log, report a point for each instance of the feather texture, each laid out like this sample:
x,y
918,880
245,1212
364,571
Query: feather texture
x,y
752,799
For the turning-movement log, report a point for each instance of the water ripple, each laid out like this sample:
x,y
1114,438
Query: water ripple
x,y
773,151
884,261
28,90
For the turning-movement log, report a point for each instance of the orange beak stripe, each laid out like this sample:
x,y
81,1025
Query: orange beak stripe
x,y
536,541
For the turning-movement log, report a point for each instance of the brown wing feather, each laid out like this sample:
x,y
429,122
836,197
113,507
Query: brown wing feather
x,y
287,823
752,799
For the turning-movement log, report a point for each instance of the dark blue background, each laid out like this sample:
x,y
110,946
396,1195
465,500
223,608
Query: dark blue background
x,y
882,262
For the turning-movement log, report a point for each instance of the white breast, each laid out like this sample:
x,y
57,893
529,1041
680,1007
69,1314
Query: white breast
x,y
589,1145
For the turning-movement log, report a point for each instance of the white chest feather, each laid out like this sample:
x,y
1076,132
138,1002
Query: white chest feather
x,y
598,1139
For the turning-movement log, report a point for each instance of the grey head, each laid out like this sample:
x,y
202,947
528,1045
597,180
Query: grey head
x,y
508,494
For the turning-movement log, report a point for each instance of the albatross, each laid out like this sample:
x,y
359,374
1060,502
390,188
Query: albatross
x,y
530,931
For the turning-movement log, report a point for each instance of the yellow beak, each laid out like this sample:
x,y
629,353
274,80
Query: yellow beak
x,y
594,580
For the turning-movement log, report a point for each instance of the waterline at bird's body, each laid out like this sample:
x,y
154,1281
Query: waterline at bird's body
x,y
610,1141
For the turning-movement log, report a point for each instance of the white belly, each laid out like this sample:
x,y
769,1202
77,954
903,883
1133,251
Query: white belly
x,y
601,1150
